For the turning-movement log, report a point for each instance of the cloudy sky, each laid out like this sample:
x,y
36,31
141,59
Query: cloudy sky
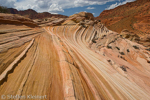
x,y
65,7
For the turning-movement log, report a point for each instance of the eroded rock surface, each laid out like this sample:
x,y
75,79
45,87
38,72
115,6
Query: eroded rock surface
x,y
133,16
75,60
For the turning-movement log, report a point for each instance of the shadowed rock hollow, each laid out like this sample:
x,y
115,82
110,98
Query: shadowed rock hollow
x,y
75,58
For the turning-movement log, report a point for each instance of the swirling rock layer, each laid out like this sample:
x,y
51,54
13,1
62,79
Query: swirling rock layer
x,y
78,61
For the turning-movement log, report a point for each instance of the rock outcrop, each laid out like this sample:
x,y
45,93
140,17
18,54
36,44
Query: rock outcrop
x,y
81,16
130,35
50,21
133,16
144,40
73,60
16,20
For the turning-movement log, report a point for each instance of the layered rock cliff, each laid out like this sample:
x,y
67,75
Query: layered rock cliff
x,y
133,16
73,59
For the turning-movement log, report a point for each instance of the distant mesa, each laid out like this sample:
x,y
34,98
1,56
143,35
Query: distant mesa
x,y
34,15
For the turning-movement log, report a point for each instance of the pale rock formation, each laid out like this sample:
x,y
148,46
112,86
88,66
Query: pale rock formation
x,y
74,60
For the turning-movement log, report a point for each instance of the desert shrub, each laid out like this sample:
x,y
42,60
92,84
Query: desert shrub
x,y
123,68
135,47
45,19
93,41
148,49
4,10
123,58
118,48
122,53
109,47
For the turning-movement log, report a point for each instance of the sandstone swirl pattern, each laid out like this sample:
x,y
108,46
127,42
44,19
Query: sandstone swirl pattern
x,y
78,59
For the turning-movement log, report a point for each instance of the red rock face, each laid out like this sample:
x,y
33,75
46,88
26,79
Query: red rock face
x,y
134,16
130,16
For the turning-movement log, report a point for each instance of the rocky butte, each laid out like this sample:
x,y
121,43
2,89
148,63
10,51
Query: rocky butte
x,y
74,58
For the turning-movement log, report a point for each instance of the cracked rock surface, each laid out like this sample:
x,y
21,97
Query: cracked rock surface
x,y
79,59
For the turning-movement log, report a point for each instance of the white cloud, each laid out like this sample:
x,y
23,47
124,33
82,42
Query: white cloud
x,y
93,13
90,8
7,3
113,6
53,6
118,4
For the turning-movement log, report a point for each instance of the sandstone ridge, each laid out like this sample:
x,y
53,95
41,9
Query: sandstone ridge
x,y
75,58
16,20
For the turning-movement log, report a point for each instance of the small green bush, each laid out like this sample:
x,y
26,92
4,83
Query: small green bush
x,y
135,47
148,49
109,47
123,68
118,48
122,53
4,10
